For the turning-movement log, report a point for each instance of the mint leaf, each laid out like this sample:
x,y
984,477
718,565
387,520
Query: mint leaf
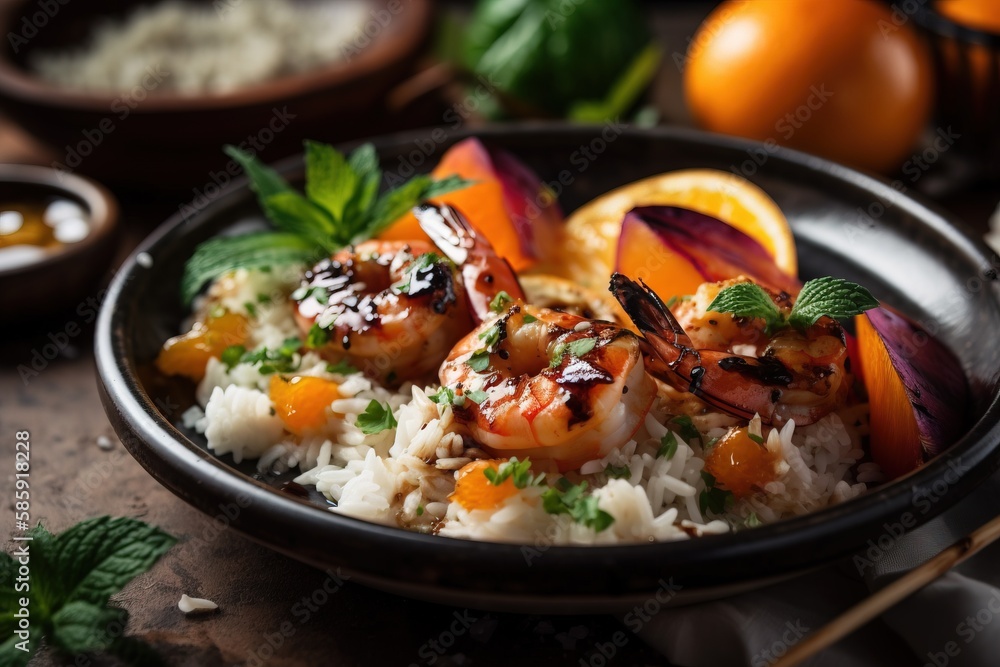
x,y
519,472
747,300
331,181
397,202
376,418
264,180
96,558
291,212
833,297
81,627
668,446
222,254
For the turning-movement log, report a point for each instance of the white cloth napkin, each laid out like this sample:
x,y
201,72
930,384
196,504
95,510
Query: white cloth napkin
x,y
953,622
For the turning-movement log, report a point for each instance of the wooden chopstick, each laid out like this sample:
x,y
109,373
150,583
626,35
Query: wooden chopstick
x,y
907,585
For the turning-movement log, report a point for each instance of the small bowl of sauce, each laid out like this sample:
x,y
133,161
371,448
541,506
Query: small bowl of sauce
x,y
57,239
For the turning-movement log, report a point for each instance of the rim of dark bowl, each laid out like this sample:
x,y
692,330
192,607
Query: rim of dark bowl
x,y
20,83
101,205
840,529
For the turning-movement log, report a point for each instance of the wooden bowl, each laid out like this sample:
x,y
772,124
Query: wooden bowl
x,y
64,279
169,141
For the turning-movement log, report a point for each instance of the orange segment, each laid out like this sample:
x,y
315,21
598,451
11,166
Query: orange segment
x,y
303,403
739,464
188,354
592,231
895,434
474,491
493,212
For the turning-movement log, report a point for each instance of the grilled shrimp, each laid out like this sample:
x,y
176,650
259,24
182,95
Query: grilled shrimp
x,y
484,273
549,385
733,363
394,308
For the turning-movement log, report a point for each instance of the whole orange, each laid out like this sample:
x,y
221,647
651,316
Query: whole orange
x,y
843,79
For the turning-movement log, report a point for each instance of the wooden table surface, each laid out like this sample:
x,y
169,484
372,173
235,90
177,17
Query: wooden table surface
x,y
272,609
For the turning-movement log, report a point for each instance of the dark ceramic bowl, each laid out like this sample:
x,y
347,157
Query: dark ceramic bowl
x,y
166,141
61,279
845,224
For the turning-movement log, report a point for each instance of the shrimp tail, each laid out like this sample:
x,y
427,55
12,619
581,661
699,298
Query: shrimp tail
x,y
484,273
718,378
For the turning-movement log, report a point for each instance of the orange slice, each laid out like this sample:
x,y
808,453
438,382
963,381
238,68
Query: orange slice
x,y
592,231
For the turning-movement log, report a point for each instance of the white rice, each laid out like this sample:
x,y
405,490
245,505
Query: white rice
x,y
192,48
405,475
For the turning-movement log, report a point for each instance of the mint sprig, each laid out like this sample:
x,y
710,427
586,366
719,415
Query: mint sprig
x,y
73,575
341,206
832,297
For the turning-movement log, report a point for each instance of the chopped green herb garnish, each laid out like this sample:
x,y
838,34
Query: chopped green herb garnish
x,y
576,348
688,430
342,367
376,418
668,446
341,206
568,498
519,472
476,397
713,499
420,510
263,298
421,263
251,309
232,356
528,319
500,301
281,360
752,521
317,338
447,396
618,472
491,336
320,294
479,361
756,438
832,297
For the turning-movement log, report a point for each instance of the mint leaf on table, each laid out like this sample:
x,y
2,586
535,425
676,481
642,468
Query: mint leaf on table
x,y
376,418
833,297
341,206
73,575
